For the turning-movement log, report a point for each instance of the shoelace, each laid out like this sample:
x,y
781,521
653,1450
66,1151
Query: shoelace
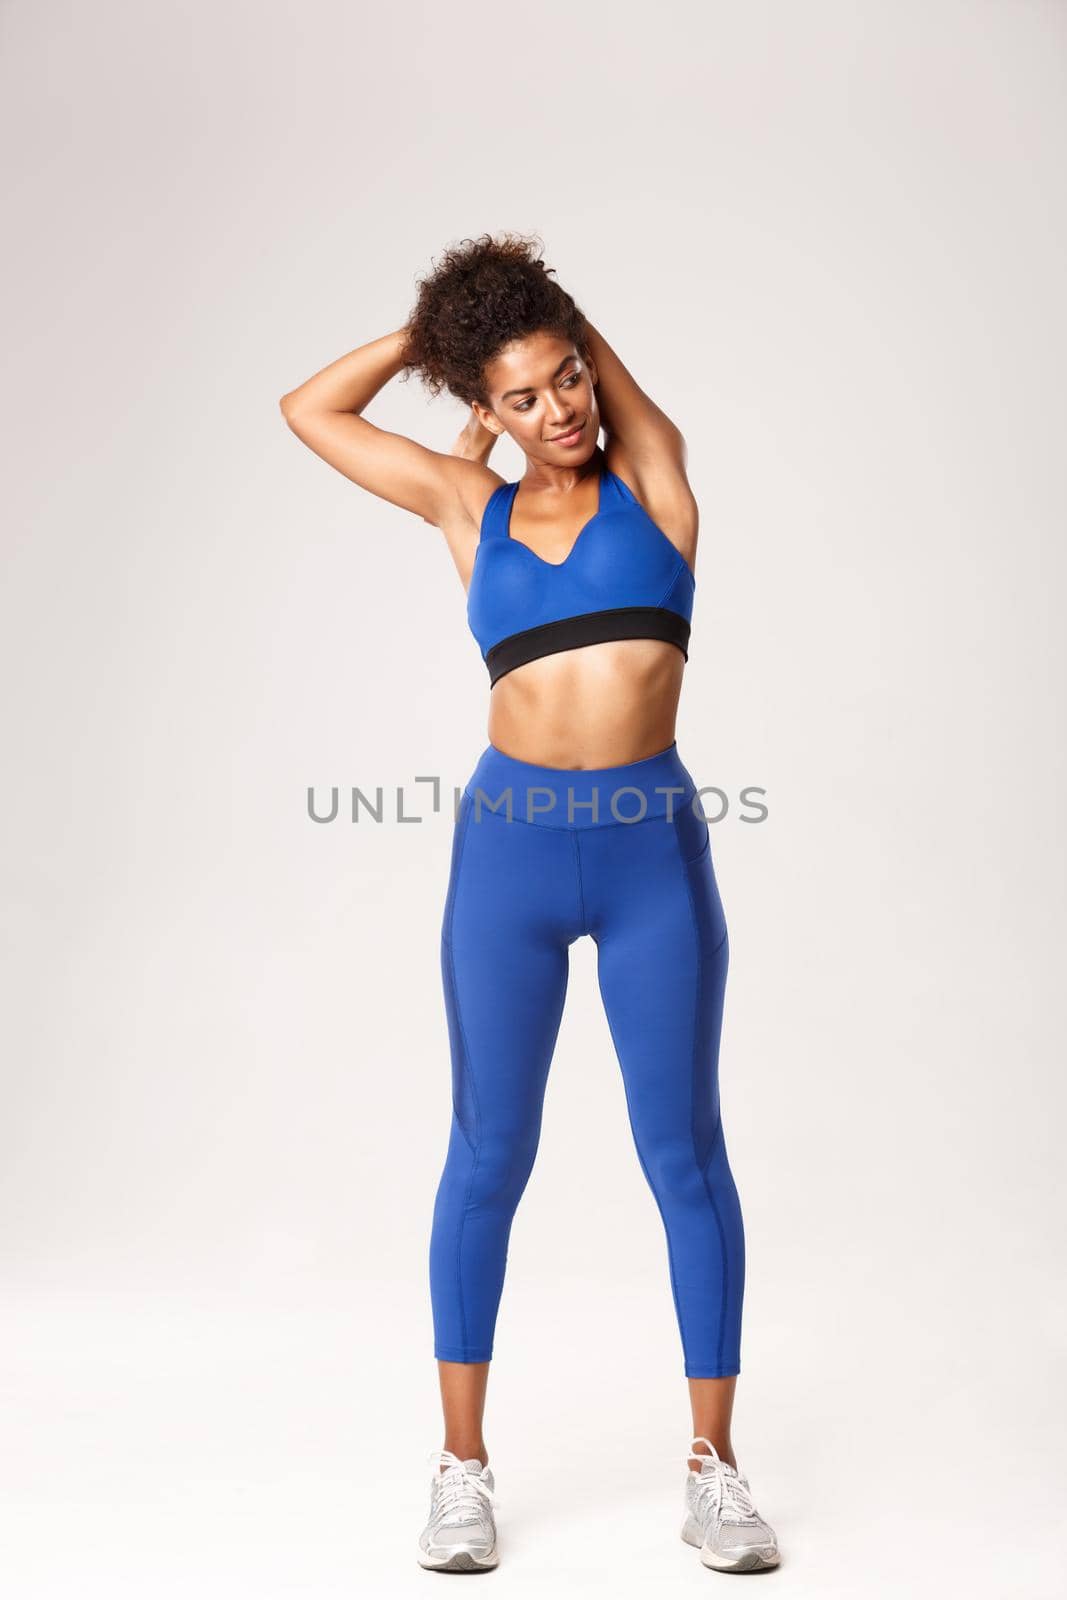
x,y
723,1491
459,1492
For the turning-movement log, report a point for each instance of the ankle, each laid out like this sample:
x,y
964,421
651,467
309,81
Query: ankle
x,y
467,1451
723,1449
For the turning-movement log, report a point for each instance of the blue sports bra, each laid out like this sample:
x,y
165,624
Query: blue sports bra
x,y
623,579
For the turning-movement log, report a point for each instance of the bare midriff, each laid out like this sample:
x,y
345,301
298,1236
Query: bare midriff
x,y
597,706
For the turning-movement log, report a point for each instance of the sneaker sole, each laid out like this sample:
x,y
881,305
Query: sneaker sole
x,y
457,1561
757,1560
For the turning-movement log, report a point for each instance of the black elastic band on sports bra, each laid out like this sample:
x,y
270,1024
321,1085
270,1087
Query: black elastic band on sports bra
x,y
589,627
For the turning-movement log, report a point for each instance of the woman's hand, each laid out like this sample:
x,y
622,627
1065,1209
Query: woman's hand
x,y
475,442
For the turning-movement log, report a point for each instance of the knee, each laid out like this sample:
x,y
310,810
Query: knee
x,y
493,1170
677,1170
503,1161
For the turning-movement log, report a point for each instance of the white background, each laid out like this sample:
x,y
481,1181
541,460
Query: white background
x,y
829,239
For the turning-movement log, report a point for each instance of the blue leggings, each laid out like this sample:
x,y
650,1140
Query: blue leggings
x,y
541,856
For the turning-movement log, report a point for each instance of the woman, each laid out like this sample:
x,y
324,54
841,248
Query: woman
x,y
579,818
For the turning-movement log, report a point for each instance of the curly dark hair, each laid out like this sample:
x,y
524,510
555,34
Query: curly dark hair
x,y
483,294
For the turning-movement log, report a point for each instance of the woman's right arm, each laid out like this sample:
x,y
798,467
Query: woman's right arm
x,y
325,412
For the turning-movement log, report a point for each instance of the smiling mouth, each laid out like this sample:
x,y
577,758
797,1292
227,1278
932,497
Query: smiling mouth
x,y
572,434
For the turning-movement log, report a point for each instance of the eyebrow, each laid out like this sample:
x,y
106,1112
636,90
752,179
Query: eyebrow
x,y
528,390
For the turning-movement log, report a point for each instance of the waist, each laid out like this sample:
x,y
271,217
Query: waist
x,y
598,706
658,785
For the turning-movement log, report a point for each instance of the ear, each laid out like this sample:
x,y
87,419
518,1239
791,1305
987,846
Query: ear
x,y
487,418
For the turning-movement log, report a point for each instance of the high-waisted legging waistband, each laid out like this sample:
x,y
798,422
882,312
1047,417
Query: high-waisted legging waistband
x,y
580,797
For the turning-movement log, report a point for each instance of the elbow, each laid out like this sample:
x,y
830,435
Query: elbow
x,y
293,412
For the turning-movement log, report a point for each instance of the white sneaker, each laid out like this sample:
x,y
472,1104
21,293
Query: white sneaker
x,y
721,1518
461,1533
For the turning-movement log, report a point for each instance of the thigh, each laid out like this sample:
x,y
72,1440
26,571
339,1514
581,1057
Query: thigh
x,y
505,936
662,962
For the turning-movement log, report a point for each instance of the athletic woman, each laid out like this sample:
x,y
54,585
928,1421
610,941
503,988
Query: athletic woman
x,y
580,817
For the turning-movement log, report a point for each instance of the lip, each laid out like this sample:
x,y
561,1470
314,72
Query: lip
x,y
568,439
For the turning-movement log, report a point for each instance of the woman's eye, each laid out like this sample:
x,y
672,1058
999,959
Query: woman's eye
x,y
568,382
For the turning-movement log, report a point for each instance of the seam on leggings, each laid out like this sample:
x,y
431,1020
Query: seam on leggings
x,y
721,1339
648,1179
464,1053
453,889
469,1074
716,1139
448,1352
581,892
463,825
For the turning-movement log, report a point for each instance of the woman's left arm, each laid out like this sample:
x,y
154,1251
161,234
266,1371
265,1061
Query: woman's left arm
x,y
630,416
647,446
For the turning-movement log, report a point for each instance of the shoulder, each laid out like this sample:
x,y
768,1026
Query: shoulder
x,y
472,484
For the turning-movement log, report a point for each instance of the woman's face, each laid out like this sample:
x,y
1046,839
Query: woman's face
x,y
540,389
